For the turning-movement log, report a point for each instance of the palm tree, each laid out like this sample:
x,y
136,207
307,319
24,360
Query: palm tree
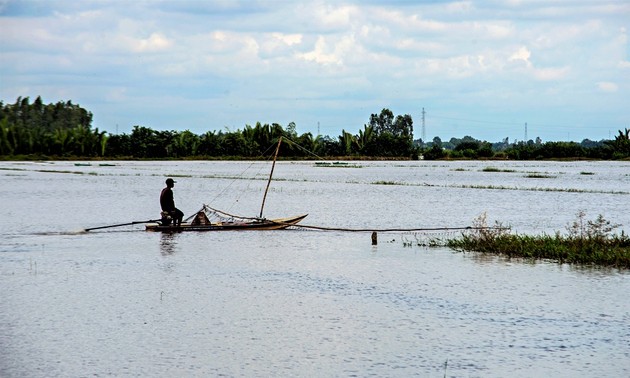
x,y
347,140
364,139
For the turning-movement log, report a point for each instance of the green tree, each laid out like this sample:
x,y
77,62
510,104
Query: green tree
x,y
382,122
620,145
347,141
366,141
209,144
185,144
435,152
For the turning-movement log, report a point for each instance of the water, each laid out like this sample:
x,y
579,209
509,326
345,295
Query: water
x,y
125,302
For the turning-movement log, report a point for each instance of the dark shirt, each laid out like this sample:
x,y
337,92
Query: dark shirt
x,y
166,199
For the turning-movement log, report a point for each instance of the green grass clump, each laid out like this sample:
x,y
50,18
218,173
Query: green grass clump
x,y
587,242
494,169
337,164
381,182
539,175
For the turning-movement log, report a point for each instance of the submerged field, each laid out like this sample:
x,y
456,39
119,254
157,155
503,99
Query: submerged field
x,y
303,302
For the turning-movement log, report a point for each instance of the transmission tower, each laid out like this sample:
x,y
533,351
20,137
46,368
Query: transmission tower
x,y
525,132
424,131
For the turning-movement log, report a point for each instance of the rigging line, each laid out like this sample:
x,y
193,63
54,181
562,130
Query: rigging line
x,y
381,189
239,176
228,214
420,229
294,143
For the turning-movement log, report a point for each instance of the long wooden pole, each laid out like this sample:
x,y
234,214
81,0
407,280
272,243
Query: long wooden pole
x,y
270,175
121,224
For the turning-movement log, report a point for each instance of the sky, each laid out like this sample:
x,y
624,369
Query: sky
x,y
554,69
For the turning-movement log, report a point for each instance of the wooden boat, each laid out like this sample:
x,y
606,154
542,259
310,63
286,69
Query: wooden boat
x,y
236,225
222,221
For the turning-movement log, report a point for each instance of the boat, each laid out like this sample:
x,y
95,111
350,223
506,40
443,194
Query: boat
x,y
210,219
235,225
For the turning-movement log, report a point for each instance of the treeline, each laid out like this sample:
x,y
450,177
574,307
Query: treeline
x,y
385,136
63,130
470,148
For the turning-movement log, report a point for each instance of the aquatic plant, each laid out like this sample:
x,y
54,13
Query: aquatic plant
x,y
494,169
381,182
337,164
538,175
588,242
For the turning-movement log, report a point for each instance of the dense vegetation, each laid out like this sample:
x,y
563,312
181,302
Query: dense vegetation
x,y
587,242
63,130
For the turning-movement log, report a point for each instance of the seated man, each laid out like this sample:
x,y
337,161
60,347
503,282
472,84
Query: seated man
x,y
168,203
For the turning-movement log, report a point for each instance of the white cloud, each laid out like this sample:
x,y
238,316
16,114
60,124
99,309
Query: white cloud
x,y
522,55
459,6
548,74
289,39
334,17
156,42
323,53
352,54
607,86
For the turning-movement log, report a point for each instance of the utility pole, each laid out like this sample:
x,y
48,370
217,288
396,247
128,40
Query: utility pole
x,y
318,134
424,131
525,132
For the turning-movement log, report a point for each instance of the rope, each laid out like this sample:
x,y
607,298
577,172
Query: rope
x,y
432,229
217,211
220,193
309,152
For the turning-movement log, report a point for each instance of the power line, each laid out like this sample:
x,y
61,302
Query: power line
x,y
516,124
477,121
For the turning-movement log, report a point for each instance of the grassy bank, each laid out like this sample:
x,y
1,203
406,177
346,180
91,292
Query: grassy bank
x,y
587,242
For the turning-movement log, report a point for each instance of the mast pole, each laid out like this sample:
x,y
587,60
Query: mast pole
x,y
270,175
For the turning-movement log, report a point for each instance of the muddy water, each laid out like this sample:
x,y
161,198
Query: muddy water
x,y
125,302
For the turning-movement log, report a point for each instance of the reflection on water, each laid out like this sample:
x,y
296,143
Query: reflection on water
x,y
168,243
127,302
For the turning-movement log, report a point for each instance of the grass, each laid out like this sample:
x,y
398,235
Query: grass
x,y
494,169
386,183
336,164
539,175
587,243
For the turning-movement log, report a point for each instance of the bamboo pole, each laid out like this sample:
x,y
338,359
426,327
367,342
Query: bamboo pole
x,y
270,175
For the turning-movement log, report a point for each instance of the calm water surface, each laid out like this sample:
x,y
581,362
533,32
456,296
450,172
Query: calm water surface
x,y
125,302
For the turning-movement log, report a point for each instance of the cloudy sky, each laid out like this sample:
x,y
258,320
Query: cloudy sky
x,y
478,68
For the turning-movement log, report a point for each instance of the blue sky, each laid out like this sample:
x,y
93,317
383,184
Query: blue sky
x,y
478,68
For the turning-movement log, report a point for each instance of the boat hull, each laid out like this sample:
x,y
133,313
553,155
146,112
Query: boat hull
x,y
255,225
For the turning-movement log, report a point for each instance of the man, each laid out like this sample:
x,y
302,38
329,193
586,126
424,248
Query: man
x,y
168,203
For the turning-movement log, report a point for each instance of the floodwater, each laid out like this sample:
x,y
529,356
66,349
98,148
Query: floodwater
x,y
125,302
